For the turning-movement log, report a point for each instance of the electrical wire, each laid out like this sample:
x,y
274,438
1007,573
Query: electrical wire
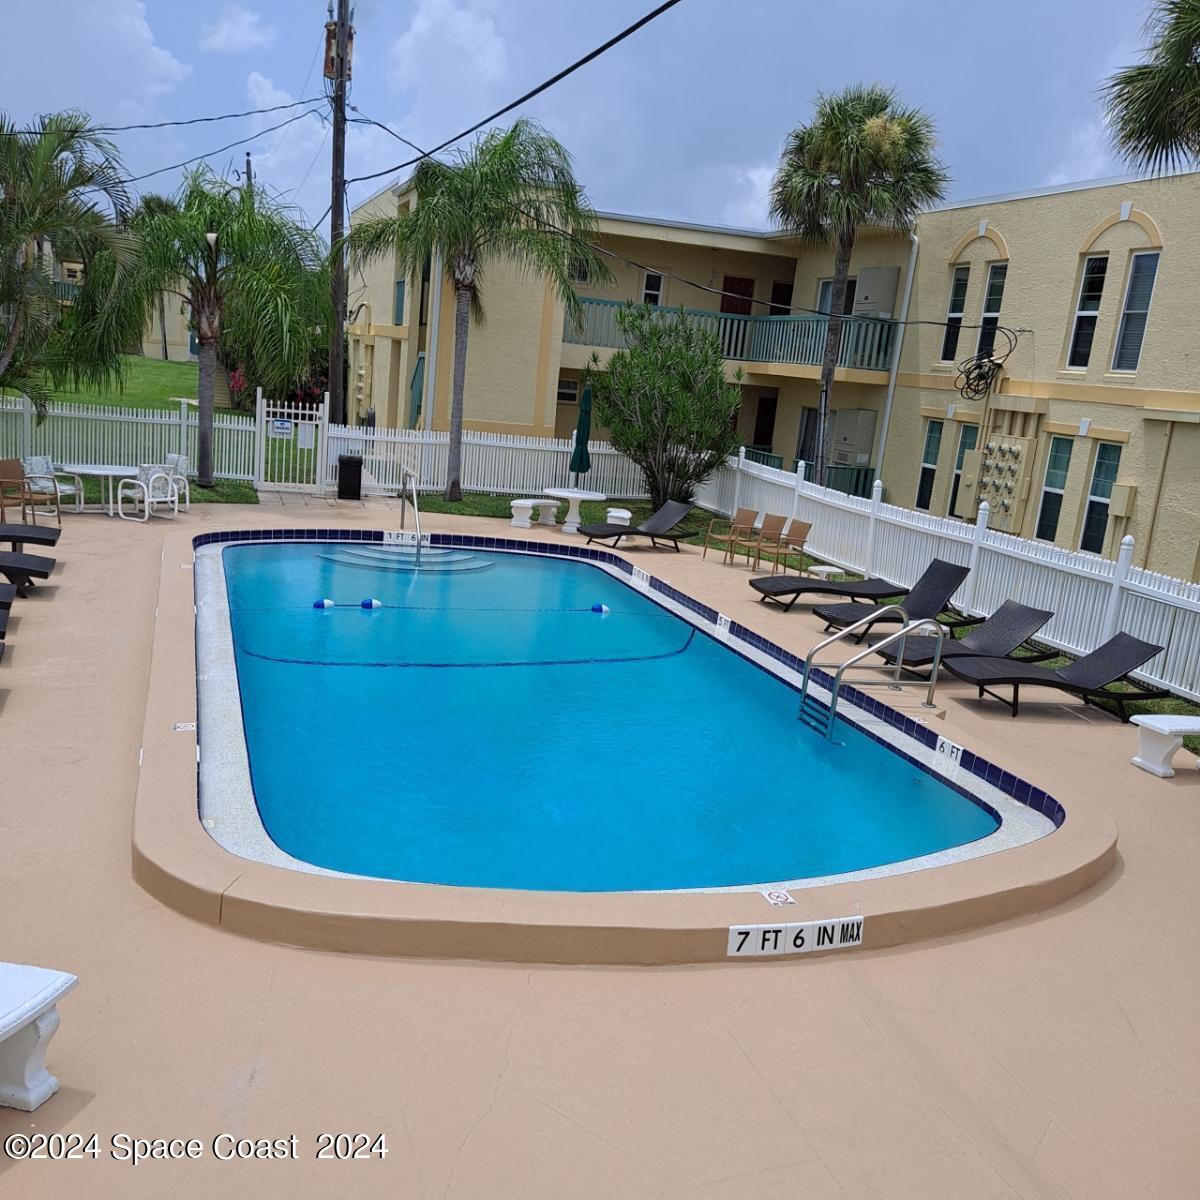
x,y
249,112
978,373
529,95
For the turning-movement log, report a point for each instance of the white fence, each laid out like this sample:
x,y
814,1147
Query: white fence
x,y
1092,597
82,433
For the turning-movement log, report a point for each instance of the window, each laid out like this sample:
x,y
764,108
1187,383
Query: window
x,y
1137,306
954,312
1095,517
579,271
929,459
1090,289
825,296
781,299
652,289
992,299
1058,461
568,391
967,440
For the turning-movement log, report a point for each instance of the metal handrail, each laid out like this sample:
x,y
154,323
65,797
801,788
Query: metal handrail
x,y
410,478
870,619
901,636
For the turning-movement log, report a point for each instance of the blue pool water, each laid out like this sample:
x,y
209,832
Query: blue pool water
x,y
486,727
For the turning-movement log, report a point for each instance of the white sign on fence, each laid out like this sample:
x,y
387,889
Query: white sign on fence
x,y
279,429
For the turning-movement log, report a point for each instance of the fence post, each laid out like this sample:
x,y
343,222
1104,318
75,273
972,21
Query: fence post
x,y
26,427
322,463
260,440
873,524
1112,610
184,414
737,479
796,486
981,524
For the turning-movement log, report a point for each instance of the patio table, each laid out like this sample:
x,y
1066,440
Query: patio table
x,y
105,471
573,496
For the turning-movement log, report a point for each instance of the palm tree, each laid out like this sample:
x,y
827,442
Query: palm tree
x,y
148,206
863,160
513,195
61,191
1154,107
246,267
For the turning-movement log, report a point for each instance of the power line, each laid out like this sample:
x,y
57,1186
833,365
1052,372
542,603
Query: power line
x,y
529,95
249,112
213,153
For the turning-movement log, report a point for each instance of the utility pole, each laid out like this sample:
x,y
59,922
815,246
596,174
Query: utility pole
x,y
249,173
337,68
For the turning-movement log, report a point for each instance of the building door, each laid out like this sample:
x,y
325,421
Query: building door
x,y
764,422
781,298
739,303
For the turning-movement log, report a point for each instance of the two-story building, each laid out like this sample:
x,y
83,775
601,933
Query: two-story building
x,y
1092,430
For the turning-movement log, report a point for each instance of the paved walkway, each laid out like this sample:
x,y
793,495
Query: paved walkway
x,y
1054,1056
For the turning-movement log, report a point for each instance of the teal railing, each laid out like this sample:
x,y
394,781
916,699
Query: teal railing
x,y
65,292
765,457
850,481
866,341
398,306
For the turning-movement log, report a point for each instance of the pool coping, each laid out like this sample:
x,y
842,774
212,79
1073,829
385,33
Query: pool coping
x,y
176,860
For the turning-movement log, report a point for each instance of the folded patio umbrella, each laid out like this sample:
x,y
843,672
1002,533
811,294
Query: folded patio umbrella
x,y
581,460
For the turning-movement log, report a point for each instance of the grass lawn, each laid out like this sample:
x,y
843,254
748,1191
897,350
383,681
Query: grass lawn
x,y
149,383
223,491
477,504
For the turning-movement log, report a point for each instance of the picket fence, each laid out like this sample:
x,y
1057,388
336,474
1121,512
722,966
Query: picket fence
x,y
1092,597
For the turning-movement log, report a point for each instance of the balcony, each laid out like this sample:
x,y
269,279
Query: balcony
x,y
65,293
866,341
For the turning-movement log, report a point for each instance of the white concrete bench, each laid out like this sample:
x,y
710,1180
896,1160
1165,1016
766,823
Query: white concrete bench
x,y
28,1019
1159,736
522,511
619,516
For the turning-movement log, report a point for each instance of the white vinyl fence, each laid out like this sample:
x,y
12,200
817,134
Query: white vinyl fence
x,y
1092,597
83,433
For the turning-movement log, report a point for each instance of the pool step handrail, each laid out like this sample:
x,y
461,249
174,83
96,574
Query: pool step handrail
x,y
809,711
409,477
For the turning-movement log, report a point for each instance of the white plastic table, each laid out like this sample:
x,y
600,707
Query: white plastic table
x,y
573,497
106,471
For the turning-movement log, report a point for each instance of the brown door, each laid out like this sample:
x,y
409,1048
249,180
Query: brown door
x,y
781,299
739,303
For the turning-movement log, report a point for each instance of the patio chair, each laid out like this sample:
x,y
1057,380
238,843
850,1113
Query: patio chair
x,y
740,525
1088,677
22,569
789,588
47,487
926,600
657,527
768,536
149,491
1008,628
177,468
791,541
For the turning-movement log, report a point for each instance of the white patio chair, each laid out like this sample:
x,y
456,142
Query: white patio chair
x,y
177,468
45,482
151,490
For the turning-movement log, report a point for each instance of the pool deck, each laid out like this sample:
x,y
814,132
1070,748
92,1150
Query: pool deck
x,y
1054,1055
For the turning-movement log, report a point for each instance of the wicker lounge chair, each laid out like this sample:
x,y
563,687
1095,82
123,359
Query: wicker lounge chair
x,y
1088,677
785,590
657,527
22,569
926,600
1009,627
16,535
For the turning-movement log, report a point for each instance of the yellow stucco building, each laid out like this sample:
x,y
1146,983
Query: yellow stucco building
x,y
1091,432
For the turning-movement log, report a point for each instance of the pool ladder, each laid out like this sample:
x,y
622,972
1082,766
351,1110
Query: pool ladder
x,y
409,479
816,716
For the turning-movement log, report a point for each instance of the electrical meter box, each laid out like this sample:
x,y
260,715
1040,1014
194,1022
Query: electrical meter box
x,y
999,472
1120,503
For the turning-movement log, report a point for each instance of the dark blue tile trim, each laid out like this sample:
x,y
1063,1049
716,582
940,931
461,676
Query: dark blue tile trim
x,y
1018,789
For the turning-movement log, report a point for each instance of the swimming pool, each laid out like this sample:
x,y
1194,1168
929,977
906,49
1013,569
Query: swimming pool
x,y
486,727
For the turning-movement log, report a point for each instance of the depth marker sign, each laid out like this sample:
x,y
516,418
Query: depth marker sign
x,y
798,937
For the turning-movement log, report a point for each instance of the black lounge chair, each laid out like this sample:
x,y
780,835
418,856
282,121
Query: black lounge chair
x,y
657,527
926,600
7,595
1087,677
776,587
22,569
1009,627
17,535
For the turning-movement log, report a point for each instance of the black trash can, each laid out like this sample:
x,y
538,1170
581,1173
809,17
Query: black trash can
x,y
349,477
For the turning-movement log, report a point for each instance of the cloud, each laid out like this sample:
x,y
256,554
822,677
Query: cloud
x,y
749,208
237,29
159,69
1089,155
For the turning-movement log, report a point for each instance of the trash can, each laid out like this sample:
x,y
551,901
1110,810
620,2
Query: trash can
x,y
349,477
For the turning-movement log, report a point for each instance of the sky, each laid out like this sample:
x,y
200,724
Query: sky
x,y
684,120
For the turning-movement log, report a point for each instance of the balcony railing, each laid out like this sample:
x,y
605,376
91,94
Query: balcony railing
x,y
866,341
65,292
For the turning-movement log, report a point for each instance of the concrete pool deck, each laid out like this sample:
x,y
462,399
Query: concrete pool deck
x,y
1052,1055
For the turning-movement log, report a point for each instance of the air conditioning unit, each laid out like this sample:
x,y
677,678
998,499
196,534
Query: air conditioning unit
x,y
853,436
875,291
